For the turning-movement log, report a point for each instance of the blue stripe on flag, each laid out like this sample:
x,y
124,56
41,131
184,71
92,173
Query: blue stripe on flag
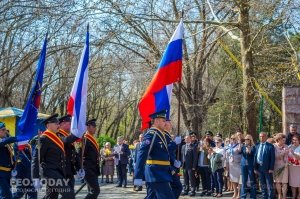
x,y
172,53
80,82
162,101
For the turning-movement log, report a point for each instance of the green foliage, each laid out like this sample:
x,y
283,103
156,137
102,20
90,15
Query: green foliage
x,y
102,139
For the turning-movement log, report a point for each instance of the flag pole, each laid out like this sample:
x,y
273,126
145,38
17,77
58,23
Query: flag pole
x,y
179,104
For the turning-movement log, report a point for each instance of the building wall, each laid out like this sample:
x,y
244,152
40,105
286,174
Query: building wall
x,y
290,107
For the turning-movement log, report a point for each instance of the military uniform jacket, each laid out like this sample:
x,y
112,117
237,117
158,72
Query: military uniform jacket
x,y
172,150
6,157
52,158
90,155
154,156
72,158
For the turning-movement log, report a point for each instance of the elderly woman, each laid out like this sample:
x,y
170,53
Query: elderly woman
x,y
108,157
281,176
234,158
247,166
294,168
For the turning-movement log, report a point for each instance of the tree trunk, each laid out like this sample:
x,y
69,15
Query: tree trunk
x,y
249,109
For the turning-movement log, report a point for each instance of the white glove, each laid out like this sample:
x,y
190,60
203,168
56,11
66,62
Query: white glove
x,y
37,184
138,182
80,174
177,140
177,164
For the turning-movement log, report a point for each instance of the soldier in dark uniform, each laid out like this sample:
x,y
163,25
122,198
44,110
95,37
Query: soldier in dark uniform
x,y
175,164
48,162
90,158
6,161
72,158
154,156
23,168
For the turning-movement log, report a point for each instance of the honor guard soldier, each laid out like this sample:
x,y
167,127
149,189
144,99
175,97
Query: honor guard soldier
x,y
175,164
72,158
49,162
90,157
6,161
23,177
154,155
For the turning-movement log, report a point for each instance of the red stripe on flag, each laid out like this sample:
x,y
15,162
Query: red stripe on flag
x,y
70,106
164,76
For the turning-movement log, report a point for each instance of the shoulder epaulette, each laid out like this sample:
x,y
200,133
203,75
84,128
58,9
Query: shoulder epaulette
x,y
151,132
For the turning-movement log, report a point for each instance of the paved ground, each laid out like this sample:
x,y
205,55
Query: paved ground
x,y
110,191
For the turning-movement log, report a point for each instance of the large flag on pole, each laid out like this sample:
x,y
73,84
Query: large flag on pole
x,y
158,94
78,100
28,120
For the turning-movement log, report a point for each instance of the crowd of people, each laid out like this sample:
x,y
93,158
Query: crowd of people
x,y
240,165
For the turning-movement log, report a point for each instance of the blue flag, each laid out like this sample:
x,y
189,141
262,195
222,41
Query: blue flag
x,y
28,120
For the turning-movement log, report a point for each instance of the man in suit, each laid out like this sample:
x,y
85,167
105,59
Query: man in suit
x,y
189,165
122,152
49,156
264,160
137,148
90,155
6,160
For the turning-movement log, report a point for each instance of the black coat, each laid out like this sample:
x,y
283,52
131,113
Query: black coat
x,y
52,160
91,158
125,153
72,158
189,156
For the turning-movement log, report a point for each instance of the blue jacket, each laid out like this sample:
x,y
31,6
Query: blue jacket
x,y
6,157
23,164
159,153
268,157
248,158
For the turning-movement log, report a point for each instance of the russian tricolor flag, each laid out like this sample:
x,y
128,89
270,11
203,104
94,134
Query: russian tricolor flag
x,y
78,100
158,95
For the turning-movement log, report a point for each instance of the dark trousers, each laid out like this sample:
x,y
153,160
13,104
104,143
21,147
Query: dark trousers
x,y
248,172
218,180
176,185
189,179
122,174
91,180
22,190
71,183
5,192
59,187
205,173
159,190
266,183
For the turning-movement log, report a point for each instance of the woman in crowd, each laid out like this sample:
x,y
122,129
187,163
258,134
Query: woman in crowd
x,y
227,183
204,167
294,168
219,182
108,157
247,166
216,163
281,165
234,165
